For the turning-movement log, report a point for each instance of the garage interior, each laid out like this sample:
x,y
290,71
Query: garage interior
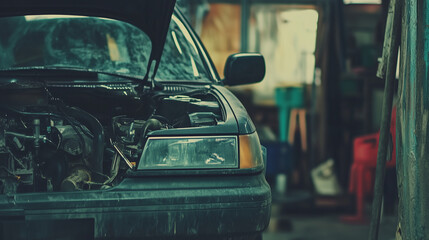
x,y
318,110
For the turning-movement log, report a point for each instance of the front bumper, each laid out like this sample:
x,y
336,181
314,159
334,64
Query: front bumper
x,y
146,207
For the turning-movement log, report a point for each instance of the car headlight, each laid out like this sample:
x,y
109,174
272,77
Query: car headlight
x,y
190,153
205,152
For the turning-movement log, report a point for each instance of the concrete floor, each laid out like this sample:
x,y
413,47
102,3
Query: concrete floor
x,y
312,227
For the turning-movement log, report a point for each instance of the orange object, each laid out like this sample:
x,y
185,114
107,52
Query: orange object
x,y
250,151
300,113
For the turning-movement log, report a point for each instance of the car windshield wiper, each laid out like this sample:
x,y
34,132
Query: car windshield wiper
x,y
26,70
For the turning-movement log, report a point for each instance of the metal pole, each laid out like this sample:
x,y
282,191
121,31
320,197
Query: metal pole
x,y
245,12
387,71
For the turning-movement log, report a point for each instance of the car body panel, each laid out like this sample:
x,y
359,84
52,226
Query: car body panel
x,y
245,124
151,207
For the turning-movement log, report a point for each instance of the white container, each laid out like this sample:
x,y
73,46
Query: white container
x,y
324,179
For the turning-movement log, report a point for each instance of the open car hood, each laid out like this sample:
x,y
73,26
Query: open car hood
x,y
152,16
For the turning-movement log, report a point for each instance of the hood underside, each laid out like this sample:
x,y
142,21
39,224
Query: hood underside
x,y
151,16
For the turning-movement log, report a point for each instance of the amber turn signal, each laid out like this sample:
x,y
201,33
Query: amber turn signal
x,y
250,151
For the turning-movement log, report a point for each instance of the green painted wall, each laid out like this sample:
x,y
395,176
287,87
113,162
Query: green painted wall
x,y
412,123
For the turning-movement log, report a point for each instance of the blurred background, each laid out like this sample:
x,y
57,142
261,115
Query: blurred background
x,y
318,109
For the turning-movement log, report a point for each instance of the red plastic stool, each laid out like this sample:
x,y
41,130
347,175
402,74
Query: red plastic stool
x,y
362,172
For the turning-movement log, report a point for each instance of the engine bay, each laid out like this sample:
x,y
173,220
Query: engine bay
x,y
66,140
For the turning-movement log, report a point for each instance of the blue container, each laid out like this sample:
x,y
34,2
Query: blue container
x,y
279,158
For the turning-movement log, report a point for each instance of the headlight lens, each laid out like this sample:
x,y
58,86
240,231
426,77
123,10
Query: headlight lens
x,y
190,153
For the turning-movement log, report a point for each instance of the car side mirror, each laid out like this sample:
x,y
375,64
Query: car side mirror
x,y
244,68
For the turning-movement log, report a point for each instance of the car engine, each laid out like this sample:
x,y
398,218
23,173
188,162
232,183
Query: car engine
x,y
59,146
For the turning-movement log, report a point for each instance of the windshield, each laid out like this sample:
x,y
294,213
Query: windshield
x,y
181,60
49,41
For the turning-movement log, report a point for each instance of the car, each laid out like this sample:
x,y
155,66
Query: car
x,y
115,125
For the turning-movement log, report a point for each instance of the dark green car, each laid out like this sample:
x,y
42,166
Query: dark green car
x,y
115,125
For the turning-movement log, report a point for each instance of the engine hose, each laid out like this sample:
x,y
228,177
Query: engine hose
x,y
150,124
24,113
96,159
114,168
